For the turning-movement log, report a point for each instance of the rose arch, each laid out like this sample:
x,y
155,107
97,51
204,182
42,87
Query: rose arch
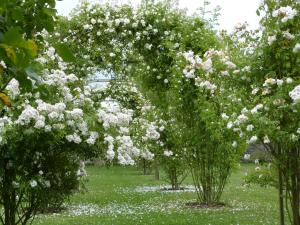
x,y
153,46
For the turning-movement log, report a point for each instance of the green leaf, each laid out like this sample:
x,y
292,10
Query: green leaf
x,y
64,52
17,14
30,46
12,37
32,73
257,12
50,12
5,99
10,52
25,83
44,92
2,20
48,25
51,3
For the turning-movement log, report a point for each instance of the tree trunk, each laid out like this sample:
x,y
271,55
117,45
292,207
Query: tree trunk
x,y
174,179
280,195
144,167
9,198
156,170
176,185
295,187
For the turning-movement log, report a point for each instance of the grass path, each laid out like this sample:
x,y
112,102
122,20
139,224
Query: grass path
x,y
112,199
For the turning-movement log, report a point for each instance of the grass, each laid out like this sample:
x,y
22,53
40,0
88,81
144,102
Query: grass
x,y
111,199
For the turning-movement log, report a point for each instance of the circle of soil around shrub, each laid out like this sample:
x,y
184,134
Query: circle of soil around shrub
x,y
165,189
171,189
197,205
52,210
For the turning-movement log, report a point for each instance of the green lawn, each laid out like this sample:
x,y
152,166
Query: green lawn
x,y
112,199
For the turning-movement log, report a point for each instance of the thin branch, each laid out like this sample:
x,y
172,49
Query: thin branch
x,y
1,219
20,199
5,85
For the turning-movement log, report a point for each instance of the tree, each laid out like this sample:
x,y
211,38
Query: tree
x,y
277,77
38,154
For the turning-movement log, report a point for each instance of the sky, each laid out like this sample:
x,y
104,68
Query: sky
x,y
232,11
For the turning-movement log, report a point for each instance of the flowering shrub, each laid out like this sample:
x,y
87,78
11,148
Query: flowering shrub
x,y
264,89
43,137
38,166
274,82
262,175
143,138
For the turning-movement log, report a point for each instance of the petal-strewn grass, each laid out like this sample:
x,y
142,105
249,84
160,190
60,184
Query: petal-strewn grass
x,y
115,196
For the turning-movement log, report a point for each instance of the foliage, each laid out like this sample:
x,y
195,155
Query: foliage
x,y
38,154
39,168
19,23
182,96
147,45
263,175
274,80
